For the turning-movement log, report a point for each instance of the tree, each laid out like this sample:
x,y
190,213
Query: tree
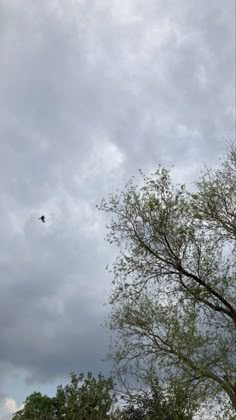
x,y
96,397
174,295
37,407
153,404
84,398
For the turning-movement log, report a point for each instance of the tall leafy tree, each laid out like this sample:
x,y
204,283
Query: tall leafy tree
x,y
174,296
153,403
84,398
36,407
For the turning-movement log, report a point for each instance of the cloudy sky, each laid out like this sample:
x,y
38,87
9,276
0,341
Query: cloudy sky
x,y
91,91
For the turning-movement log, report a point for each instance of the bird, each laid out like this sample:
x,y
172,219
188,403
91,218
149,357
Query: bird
x,y
42,218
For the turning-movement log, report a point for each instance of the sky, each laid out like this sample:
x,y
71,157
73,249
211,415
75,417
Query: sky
x,y
91,91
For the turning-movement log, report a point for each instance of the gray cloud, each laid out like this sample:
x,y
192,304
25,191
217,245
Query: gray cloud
x,y
90,92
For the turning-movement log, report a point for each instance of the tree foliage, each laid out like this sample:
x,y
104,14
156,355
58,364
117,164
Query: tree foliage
x,y
152,404
84,398
87,398
37,407
174,295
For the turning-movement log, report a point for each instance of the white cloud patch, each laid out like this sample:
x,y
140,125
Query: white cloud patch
x,y
8,406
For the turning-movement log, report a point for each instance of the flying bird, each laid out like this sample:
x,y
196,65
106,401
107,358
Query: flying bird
x,y
42,218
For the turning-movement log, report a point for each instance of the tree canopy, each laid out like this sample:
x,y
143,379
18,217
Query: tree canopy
x,y
174,295
87,398
37,407
83,398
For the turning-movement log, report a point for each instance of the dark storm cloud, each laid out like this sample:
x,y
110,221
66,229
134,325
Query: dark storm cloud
x,y
91,91
51,300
